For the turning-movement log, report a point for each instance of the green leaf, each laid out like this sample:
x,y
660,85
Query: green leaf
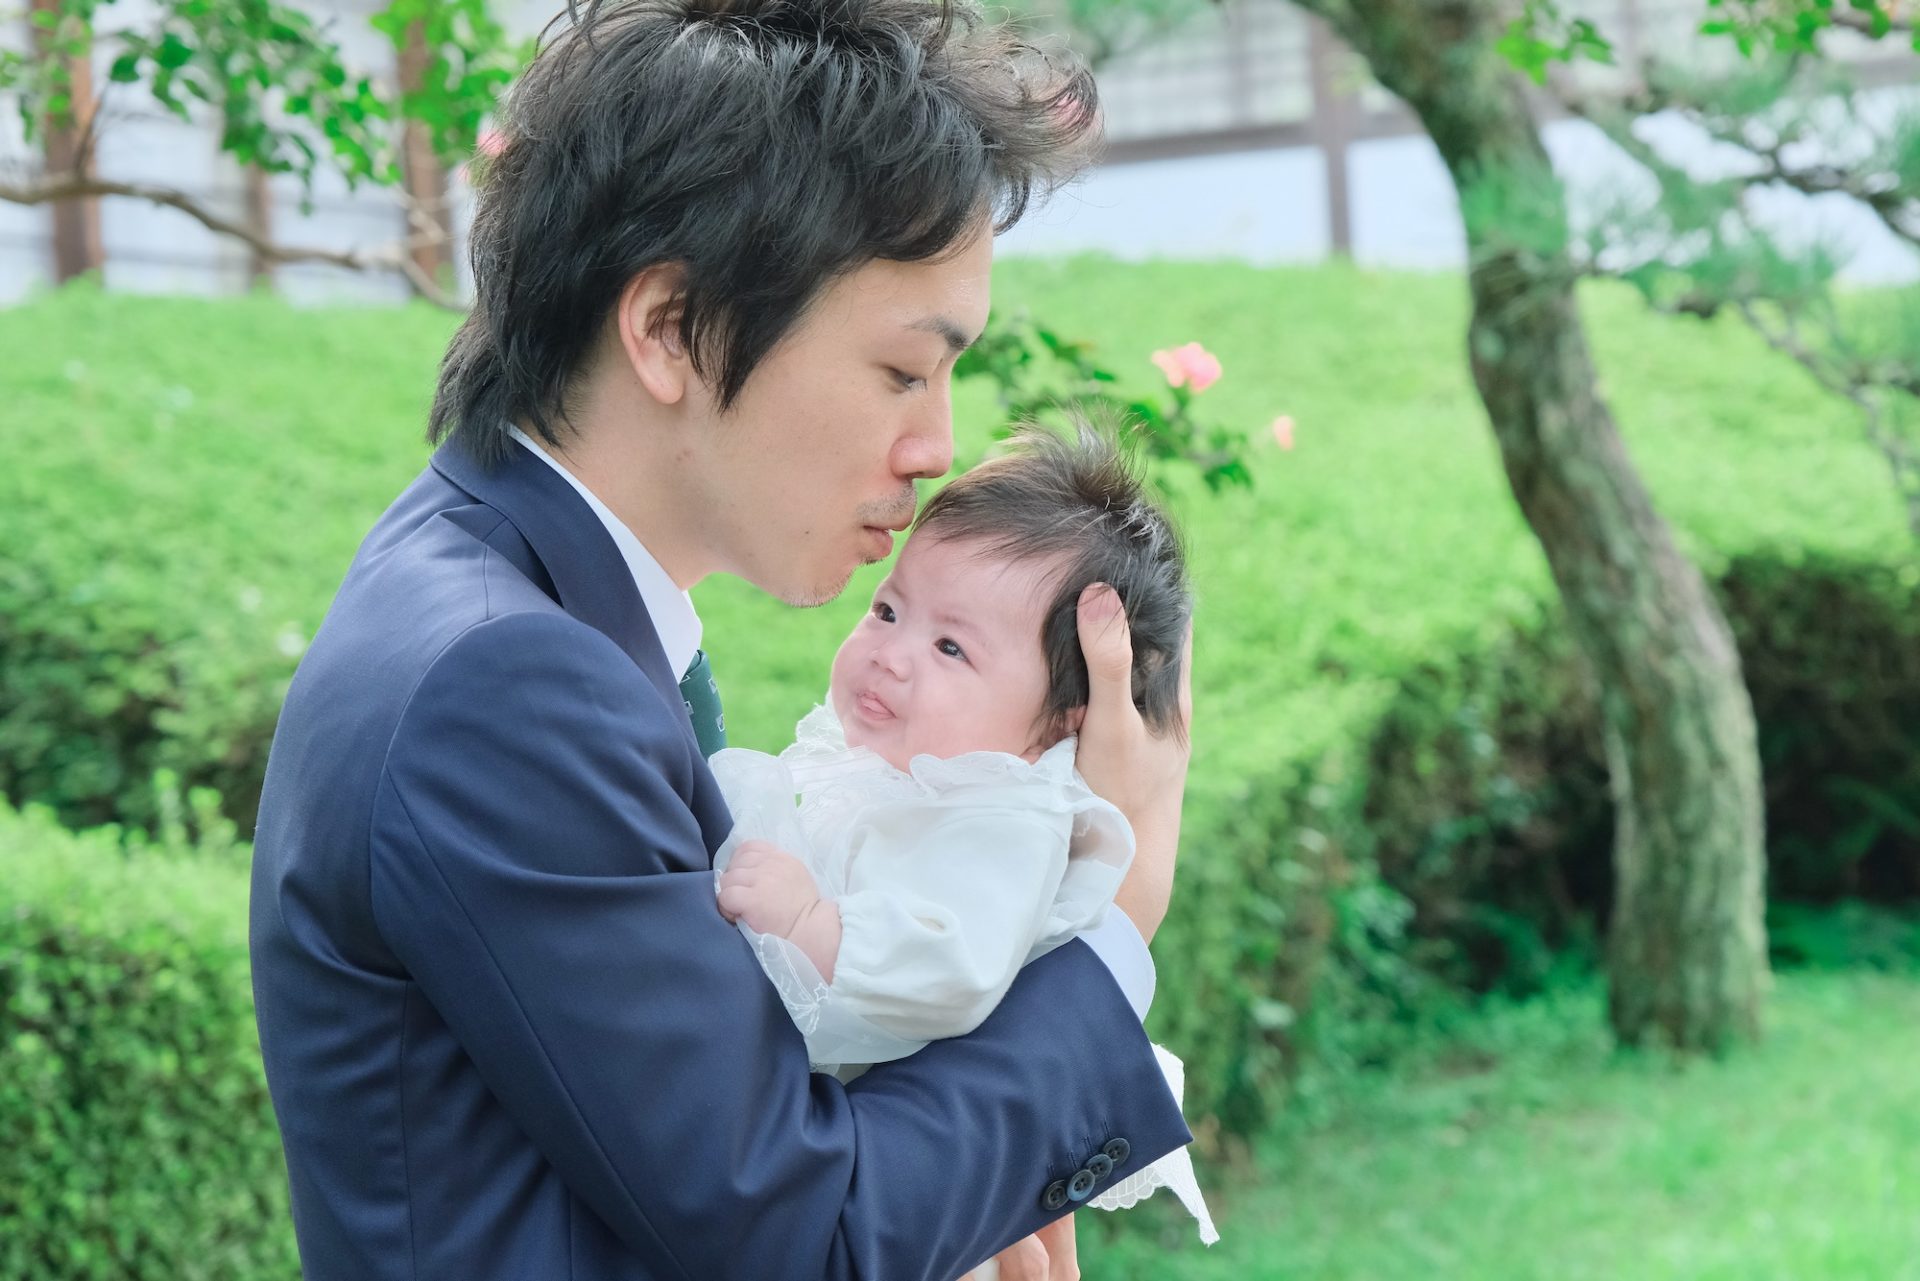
x,y
173,52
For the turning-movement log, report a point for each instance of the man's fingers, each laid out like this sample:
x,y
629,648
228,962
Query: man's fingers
x,y
1024,1260
1107,643
1063,1253
1186,676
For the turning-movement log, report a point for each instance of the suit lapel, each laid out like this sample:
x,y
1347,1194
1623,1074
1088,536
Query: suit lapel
x,y
589,575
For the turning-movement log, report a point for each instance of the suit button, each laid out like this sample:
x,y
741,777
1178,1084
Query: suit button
x,y
1055,1196
1100,1165
1117,1151
1081,1186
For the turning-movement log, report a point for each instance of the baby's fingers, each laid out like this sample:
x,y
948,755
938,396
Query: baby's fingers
x,y
735,899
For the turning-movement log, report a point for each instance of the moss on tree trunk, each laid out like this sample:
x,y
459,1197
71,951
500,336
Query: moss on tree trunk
x,y
1687,953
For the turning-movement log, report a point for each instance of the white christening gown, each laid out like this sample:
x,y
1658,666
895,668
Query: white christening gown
x,y
949,877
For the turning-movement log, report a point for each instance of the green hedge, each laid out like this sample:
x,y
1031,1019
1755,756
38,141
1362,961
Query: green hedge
x,y
136,1138
1460,838
184,502
185,483
1486,797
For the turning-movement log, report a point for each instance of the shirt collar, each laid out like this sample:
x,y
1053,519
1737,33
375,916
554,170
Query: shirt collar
x,y
672,612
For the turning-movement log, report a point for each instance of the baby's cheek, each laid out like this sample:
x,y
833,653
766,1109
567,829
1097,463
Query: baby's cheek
x,y
857,735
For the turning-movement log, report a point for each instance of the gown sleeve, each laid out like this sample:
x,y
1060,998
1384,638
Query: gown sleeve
x,y
938,917
947,882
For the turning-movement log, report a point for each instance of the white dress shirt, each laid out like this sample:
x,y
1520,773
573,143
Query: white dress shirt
x,y
1115,940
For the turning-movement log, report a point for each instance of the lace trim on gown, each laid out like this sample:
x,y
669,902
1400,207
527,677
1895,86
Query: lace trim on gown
x,y
1173,1171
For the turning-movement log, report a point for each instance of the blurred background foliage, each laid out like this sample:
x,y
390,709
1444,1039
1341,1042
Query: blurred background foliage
x,y
1399,857
1397,800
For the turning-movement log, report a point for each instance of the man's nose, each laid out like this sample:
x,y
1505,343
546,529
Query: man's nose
x,y
926,448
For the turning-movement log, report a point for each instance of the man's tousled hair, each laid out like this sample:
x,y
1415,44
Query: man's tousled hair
x,y
1079,503
766,148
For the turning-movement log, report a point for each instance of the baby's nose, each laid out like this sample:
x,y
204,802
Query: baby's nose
x,y
892,657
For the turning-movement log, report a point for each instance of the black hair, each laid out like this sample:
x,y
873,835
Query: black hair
x,y
766,147
1081,504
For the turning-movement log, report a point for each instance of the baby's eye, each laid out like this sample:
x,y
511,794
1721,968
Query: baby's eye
x,y
949,647
883,611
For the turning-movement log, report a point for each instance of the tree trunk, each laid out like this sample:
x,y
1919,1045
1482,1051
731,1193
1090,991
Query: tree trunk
x,y
77,244
260,271
1687,952
424,177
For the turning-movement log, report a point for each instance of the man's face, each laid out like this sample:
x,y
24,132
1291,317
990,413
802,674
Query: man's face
x,y
948,658
813,466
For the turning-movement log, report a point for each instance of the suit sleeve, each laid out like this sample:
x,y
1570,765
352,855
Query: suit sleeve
x,y
536,869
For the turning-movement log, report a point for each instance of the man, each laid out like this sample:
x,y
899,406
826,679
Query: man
x,y
724,265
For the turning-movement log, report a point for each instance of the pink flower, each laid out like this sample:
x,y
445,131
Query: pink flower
x,y
1283,431
1189,366
491,142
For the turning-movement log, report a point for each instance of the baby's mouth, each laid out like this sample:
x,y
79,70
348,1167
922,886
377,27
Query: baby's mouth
x,y
871,707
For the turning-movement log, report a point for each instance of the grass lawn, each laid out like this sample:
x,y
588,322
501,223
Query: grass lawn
x,y
191,477
231,454
1518,1146
208,468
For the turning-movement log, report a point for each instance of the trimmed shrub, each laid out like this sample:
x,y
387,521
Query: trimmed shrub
x,y
137,1142
1487,789
185,499
185,484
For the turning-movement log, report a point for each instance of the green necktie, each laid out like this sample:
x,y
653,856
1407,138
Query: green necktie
x,y
702,698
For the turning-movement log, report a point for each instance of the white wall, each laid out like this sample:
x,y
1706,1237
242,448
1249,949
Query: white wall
x,y
1271,206
1268,206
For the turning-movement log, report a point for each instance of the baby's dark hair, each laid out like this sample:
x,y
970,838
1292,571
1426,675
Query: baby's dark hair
x,y
1082,503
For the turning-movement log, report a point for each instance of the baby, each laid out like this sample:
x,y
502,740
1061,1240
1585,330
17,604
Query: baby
x,y
927,833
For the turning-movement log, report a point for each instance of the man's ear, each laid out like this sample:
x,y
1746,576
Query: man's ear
x,y
648,321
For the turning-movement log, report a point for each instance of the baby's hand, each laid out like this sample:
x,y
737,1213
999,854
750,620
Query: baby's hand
x,y
773,892
766,887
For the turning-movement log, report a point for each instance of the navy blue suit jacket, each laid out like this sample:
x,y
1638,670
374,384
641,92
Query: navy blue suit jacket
x,y
507,1032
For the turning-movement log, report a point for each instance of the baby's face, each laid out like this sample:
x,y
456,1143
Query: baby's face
x,y
948,658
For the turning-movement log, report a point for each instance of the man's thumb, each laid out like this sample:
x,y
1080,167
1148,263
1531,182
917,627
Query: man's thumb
x,y
1106,641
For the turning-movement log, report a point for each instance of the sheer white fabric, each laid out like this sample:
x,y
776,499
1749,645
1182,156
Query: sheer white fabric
x,y
948,878
1173,1171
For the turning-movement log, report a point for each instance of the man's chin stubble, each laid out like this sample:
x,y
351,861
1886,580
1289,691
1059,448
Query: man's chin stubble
x,y
813,597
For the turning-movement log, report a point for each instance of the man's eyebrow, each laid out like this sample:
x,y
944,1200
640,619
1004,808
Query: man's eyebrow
x,y
957,340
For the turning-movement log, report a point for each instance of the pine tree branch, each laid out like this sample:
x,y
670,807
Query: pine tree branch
x,y
1882,194
1862,383
1854,20
388,258
1897,208
1854,384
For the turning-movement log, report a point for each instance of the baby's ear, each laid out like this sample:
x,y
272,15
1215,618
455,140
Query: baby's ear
x,y
1076,718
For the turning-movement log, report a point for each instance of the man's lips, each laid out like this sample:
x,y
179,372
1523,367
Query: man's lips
x,y
896,525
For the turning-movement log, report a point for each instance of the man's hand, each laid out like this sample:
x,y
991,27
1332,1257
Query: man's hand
x,y
1143,774
1047,1255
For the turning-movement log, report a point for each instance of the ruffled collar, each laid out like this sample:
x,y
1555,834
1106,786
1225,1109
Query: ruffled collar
x,y
820,755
